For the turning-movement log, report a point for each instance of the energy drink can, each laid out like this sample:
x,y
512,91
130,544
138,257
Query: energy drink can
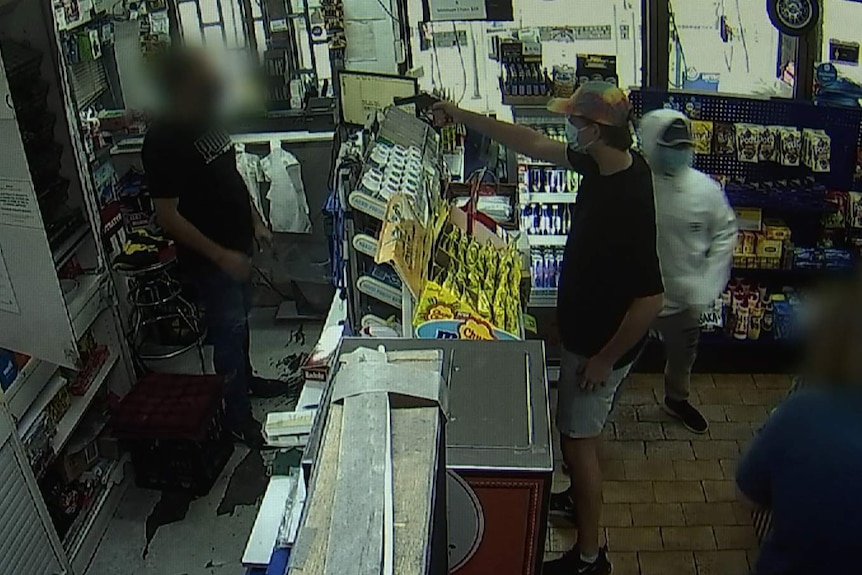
x,y
549,181
535,180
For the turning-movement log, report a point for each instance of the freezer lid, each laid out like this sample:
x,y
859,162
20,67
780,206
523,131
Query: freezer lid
x,y
498,402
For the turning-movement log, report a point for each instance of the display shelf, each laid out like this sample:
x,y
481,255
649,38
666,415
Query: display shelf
x,y
362,202
380,291
73,416
83,306
792,273
69,246
31,380
49,391
365,244
547,241
82,543
720,339
543,297
527,161
548,198
525,101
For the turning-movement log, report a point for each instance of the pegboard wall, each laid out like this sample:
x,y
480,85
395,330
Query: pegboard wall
x,y
844,126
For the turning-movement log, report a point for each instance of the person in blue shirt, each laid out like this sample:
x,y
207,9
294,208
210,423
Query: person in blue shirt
x,y
805,465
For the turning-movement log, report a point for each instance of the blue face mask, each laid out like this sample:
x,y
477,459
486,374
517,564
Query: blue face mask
x,y
573,137
672,161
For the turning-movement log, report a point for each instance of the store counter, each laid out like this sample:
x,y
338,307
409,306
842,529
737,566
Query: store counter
x,y
499,454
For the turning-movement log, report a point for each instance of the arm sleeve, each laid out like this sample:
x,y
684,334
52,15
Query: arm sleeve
x,y
720,256
642,269
581,163
165,173
721,227
761,461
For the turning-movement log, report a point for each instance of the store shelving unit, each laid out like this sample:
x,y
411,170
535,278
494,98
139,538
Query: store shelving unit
x,y
377,293
56,301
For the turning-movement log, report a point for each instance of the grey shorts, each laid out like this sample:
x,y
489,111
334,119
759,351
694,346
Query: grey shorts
x,y
581,413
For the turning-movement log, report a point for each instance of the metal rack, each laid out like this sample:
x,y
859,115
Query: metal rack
x,y
376,294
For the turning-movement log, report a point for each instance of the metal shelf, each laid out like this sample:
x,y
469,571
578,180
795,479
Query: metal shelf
x,y
80,404
548,241
82,303
548,198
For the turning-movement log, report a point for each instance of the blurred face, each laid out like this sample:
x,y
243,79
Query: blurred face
x,y
201,89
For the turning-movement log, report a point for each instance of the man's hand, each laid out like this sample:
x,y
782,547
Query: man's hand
x,y
262,236
235,264
597,372
445,113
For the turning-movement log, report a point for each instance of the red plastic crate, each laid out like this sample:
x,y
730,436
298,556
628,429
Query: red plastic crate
x,y
173,425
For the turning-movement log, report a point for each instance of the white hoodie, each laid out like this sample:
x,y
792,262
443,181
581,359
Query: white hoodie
x,y
696,228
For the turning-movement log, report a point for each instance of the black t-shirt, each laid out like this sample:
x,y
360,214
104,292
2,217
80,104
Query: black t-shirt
x,y
610,258
198,166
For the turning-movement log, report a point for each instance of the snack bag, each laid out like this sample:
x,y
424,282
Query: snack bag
x,y
702,134
854,210
725,138
769,144
820,148
838,219
791,146
747,142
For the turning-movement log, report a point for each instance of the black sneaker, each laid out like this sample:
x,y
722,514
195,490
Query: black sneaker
x,y
690,417
250,433
266,388
572,564
562,505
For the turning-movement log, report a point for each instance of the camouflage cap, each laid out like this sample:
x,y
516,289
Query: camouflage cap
x,y
600,102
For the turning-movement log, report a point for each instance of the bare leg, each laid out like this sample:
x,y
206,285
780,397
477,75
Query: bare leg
x,y
582,458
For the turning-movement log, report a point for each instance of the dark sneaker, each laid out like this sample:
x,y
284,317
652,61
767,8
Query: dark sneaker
x,y
562,505
266,388
572,564
249,434
690,417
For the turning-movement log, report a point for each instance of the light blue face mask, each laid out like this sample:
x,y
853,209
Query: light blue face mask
x,y
573,137
672,161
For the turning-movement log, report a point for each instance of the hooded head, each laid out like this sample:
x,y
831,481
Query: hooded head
x,y
667,141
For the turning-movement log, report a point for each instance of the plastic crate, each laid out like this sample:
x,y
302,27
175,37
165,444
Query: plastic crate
x,y
173,426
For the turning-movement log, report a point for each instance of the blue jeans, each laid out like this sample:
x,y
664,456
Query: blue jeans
x,y
227,304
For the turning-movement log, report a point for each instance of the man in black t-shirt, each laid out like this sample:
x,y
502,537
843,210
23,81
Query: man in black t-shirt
x,y
610,287
202,202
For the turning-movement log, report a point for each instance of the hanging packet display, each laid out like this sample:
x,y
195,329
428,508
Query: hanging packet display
x,y
747,142
791,146
702,134
769,144
725,139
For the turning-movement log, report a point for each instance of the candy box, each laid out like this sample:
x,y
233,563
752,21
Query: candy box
x,y
775,229
749,219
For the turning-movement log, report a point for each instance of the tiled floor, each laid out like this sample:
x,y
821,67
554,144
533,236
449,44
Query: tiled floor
x,y
670,505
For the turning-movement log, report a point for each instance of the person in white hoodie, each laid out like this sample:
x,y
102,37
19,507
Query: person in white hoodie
x,y
696,233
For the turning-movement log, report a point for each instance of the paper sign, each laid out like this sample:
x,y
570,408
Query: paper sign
x,y
18,206
457,9
8,302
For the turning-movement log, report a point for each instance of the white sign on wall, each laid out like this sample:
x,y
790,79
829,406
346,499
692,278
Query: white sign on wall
x,y
457,9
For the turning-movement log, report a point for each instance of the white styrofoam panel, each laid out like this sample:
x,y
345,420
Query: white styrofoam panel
x,y
41,328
